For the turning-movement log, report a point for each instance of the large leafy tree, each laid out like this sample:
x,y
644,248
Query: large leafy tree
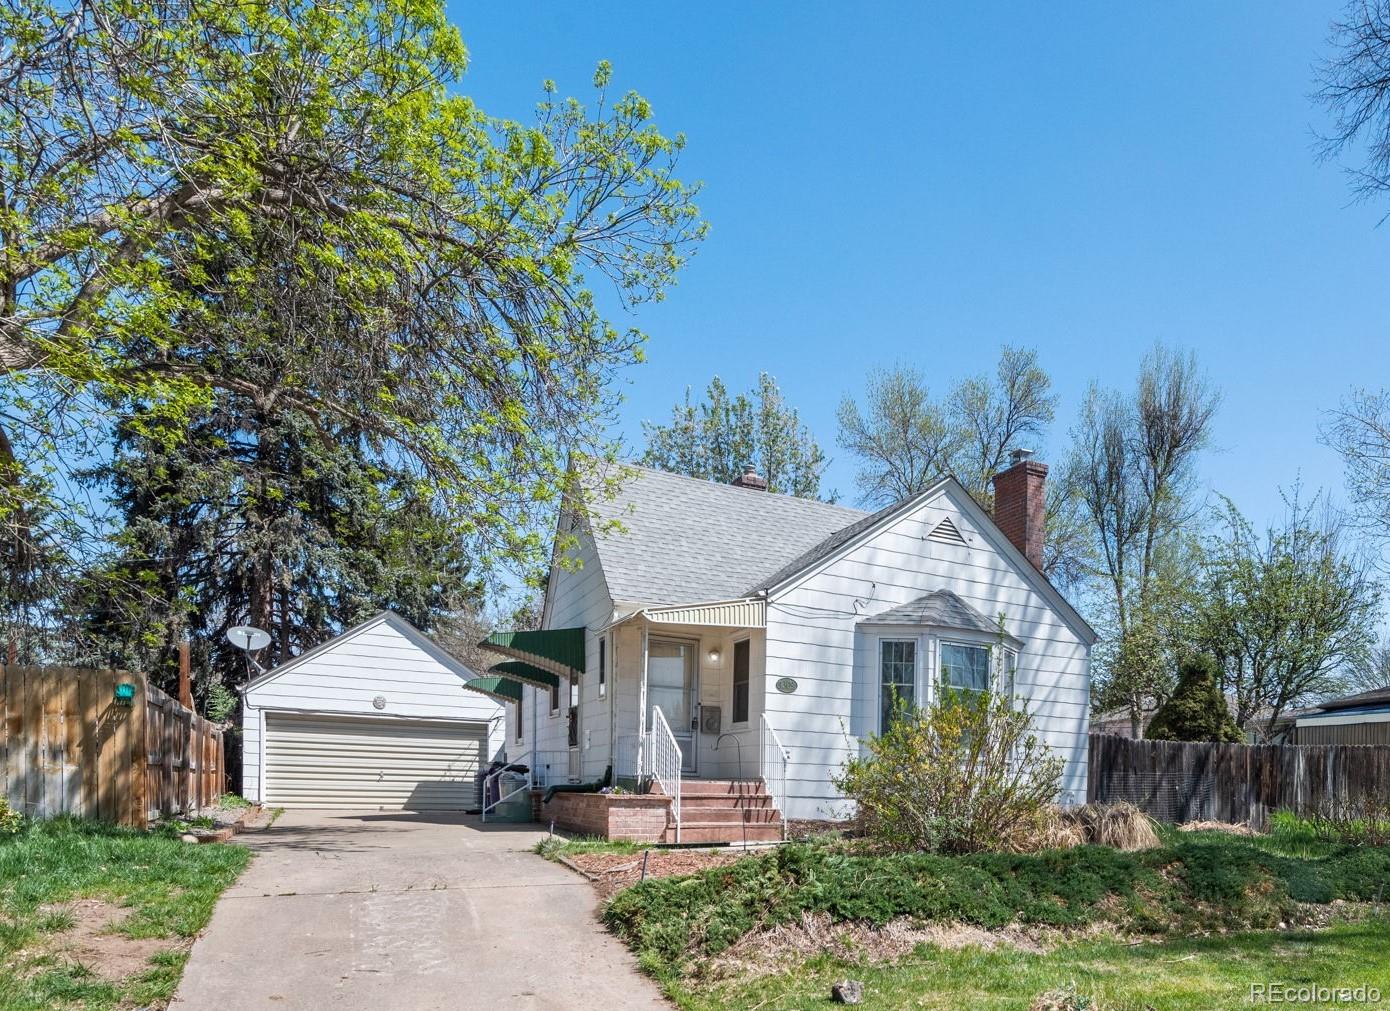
x,y
905,439
429,287
1290,615
722,435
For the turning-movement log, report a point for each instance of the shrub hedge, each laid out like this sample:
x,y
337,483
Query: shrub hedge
x,y
1195,882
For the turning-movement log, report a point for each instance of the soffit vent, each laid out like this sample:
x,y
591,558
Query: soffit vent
x,y
947,533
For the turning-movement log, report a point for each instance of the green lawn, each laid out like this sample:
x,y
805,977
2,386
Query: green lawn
x,y
165,887
1203,974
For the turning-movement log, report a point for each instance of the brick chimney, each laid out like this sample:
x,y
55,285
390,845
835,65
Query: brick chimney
x,y
1018,504
750,478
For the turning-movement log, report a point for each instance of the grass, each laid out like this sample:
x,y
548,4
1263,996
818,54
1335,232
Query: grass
x,y
1188,974
553,847
168,886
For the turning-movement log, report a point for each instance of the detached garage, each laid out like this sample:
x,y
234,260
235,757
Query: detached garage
x,y
375,719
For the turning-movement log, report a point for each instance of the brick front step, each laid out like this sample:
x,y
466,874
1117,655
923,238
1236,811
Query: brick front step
x,y
727,803
722,788
702,832
728,816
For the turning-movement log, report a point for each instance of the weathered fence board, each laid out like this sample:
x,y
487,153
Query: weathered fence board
x,y
69,747
1179,781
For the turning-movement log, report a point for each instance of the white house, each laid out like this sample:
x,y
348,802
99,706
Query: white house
x,y
739,634
375,718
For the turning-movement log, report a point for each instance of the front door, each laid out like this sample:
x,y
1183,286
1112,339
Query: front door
x,y
673,686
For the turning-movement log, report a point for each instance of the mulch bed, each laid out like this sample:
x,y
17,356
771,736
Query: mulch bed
x,y
612,872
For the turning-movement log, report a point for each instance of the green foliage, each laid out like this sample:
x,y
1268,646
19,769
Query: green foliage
x,y
283,221
1196,711
1289,615
717,438
964,775
1198,882
11,821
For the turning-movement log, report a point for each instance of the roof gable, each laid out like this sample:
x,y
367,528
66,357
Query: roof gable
x,y
405,628
845,541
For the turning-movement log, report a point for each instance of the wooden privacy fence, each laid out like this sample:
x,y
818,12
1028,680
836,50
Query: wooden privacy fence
x,y
72,744
1178,781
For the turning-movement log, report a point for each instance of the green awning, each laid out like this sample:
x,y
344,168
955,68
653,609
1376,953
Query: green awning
x,y
501,689
558,650
519,670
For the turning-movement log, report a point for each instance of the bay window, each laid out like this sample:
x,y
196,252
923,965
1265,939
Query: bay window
x,y
897,664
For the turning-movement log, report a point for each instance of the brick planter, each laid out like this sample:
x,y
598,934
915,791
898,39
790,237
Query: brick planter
x,y
626,817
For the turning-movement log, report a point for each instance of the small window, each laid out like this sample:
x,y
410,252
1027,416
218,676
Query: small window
x,y
741,681
897,664
574,713
555,698
520,715
965,668
1009,675
602,666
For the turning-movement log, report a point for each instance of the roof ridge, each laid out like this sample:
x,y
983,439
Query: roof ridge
x,y
711,483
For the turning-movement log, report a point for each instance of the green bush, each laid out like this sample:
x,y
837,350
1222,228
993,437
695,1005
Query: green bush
x,y
11,821
1199,882
1197,710
965,775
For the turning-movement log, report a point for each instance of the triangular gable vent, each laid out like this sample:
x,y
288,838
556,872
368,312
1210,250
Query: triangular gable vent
x,y
947,533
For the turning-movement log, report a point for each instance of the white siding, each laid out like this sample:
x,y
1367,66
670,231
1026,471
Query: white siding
x,y
816,635
577,597
381,658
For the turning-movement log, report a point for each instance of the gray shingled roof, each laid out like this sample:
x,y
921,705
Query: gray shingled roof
x,y
1374,697
940,608
686,540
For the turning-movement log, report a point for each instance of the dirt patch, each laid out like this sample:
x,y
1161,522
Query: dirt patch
x,y
93,943
612,872
776,949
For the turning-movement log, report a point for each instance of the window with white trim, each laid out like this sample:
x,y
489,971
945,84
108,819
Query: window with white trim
x,y
742,655
897,678
965,668
602,666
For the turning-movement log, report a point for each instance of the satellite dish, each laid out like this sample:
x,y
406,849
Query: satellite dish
x,y
248,637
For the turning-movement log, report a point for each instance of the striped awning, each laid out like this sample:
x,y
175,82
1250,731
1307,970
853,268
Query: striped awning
x,y
558,650
499,688
519,670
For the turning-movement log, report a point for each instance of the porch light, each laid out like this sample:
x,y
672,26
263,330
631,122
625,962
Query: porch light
x,y
714,654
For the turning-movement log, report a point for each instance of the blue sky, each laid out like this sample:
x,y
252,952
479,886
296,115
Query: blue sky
x,y
923,183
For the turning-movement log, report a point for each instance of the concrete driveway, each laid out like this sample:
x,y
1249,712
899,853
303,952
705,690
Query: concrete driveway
x,y
384,911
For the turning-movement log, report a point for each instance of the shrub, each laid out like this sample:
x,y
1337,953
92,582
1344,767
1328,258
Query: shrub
x,y
11,821
1197,710
965,775
1121,826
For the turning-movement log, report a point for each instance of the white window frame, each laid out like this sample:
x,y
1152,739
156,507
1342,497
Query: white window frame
x,y
603,652
554,693
917,667
965,642
733,688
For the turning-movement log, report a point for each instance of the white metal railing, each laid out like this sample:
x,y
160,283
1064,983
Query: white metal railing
x,y
773,759
527,782
664,755
554,766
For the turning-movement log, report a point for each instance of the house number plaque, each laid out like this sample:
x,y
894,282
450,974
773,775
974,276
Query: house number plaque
x,y
786,685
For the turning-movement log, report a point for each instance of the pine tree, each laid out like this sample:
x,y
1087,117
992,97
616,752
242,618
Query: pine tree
x,y
1196,711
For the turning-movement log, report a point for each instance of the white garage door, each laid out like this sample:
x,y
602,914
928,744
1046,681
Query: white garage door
x,y
382,764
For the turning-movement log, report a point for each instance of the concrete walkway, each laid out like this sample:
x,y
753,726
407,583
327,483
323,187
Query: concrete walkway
x,y
409,911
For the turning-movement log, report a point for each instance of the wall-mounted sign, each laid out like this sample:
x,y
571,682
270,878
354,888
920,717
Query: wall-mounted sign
x,y
379,702
786,685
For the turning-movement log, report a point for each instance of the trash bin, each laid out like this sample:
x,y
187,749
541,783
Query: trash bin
x,y
516,808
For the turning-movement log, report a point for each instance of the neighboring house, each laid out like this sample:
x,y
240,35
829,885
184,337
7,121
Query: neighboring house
x,y
1363,718
374,718
742,634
